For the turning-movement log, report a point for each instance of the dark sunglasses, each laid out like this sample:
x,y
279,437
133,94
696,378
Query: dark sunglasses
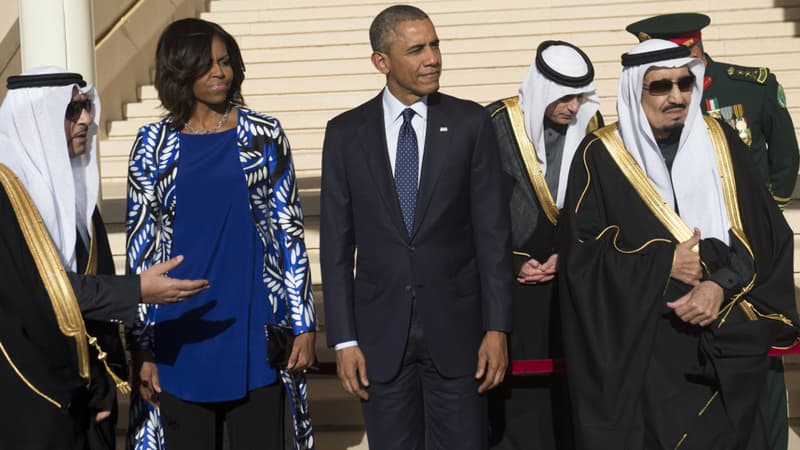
x,y
76,107
664,86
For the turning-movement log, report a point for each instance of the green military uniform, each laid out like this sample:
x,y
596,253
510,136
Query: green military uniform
x,y
751,100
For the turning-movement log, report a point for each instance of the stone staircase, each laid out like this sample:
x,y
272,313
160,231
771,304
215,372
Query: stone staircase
x,y
310,61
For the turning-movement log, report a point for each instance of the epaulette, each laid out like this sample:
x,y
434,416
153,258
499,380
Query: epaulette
x,y
757,75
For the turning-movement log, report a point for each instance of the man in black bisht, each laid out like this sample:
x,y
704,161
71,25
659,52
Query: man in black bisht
x,y
753,102
58,291
538,132
676,270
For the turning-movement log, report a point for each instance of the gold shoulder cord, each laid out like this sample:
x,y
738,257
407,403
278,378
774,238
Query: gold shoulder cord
x,y
532,166
59,290
91,269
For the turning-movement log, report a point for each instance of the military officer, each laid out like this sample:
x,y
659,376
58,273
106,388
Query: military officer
x,y
750,100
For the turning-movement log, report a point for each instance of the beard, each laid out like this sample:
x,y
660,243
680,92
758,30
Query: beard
x,y
673,129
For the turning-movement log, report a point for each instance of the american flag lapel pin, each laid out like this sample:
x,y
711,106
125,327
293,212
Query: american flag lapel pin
x,y
442,129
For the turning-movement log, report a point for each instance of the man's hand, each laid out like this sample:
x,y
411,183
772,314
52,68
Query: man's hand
x,y
302,356
158,288
351,367
701,305
533,272
105,405
686,263
145,373
492,360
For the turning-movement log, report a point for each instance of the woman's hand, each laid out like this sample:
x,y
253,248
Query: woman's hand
x,y
302,356
145,373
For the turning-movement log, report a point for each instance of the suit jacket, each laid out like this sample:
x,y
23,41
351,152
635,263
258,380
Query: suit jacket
x,y
456,262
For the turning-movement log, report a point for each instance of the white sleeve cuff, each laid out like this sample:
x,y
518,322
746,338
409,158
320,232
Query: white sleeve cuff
x,y
345,344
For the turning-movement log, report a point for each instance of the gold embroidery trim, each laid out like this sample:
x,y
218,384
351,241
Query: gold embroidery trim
x,y
700,413
641,183
594,123
680,442
781,199
91,264
528,153
62,297
616,237
728,182
25,380
91,269
708,403
588,177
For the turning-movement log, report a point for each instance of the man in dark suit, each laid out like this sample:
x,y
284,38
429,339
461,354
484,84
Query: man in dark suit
x,y
411,182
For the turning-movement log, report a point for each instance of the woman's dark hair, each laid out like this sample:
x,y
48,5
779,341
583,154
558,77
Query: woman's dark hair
x,y
183,54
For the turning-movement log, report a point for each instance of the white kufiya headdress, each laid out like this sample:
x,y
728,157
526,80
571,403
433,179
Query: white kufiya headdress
x,y
560,69
33,143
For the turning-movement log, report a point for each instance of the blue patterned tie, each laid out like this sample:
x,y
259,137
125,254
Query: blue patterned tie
x,y
405,169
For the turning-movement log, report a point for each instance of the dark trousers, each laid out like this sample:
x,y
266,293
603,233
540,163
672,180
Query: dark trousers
x,y
773,407
420,409
102,435
255,421
530,412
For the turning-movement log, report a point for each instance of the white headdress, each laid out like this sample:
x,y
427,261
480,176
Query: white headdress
x,y
695,178
33,143
560,69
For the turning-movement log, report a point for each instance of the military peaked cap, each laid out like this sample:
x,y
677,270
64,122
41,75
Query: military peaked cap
x,y
680,28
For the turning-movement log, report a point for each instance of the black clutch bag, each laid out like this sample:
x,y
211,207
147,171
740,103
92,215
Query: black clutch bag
x,y
280,339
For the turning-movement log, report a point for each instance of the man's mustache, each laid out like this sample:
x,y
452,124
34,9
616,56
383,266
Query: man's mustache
x,y
674,106
83,129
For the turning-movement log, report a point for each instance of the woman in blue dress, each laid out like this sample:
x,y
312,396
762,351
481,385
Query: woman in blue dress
x,y
215,182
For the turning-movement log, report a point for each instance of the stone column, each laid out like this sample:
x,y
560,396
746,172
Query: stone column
x,y
57,32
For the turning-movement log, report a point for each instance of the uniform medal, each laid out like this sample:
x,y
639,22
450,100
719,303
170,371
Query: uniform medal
x,y
741,124
712,108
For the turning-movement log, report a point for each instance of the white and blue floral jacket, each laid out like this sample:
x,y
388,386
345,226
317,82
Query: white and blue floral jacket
x,y
267,164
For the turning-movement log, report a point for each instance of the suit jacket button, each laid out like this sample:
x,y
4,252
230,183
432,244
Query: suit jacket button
x,y
408,288
411,248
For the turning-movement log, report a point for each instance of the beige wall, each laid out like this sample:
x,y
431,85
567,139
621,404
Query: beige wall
x,y
124,57
107,12
9,42
125,32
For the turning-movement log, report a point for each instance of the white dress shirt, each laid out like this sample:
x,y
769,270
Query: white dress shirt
x,y
392,121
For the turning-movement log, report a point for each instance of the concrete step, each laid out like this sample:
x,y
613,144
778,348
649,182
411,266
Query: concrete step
x,y
578,32
595,50
560,18
330,405
227,11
